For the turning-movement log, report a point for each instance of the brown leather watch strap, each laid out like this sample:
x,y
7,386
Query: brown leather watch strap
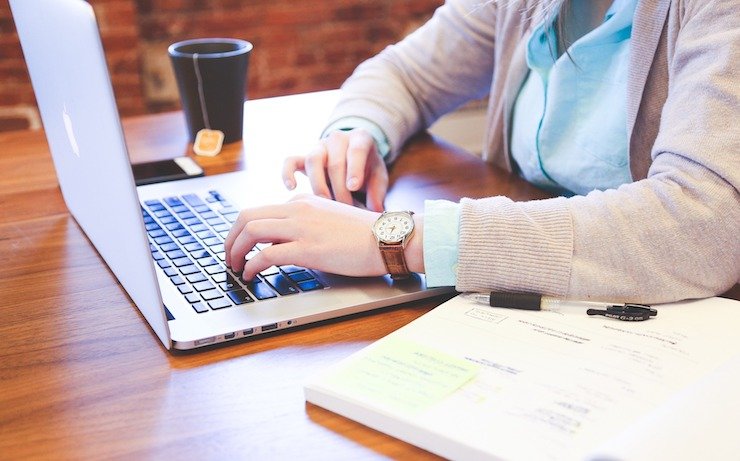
x,y
394,259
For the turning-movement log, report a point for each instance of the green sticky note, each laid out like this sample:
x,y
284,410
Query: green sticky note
x,y
402,375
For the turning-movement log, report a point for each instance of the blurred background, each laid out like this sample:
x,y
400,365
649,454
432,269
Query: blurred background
x,y
299,46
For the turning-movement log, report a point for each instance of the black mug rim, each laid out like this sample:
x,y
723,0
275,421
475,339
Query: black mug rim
x,y
243,47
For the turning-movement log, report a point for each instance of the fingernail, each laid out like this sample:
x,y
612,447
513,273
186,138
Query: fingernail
x,y
353,183
289,184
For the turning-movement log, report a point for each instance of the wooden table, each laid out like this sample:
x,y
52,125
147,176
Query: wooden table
x,y
83,377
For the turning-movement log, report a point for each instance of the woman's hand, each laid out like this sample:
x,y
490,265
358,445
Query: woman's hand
x,y
307,231
342,163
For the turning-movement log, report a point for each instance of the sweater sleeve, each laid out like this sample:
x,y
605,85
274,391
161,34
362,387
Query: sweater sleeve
x,y
671,236
443,64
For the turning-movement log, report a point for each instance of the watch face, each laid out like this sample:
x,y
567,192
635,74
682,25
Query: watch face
x,y
393,227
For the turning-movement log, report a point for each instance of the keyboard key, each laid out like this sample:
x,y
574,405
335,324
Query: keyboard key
x,y
152,226
176,254
239,297
192,199
180,209
205,234
214,221
171,272
229,283
152,202
196,277
300,276
187,270
185,289
164,264
203,286
310,285
177,280
200,307
208,214
213,241
289,269
193,247
181,233
192,298
215,269
199,254
157,256
211,294
157,233
182,262
169,247
220,277
202,208
188,239
162,213
199,227
222,227
172,201
168,219
162,240
270,271
282,284
219,303
260,289
205,262
191,221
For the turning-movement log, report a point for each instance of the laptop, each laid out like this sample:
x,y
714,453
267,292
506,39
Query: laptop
x,y
164,242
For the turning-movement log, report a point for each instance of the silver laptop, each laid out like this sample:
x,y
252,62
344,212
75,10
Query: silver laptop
x,y
164,242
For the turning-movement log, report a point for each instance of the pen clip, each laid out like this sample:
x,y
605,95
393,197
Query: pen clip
x,y
629,312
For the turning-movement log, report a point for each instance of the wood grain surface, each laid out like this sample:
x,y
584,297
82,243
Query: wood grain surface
x,y
83,377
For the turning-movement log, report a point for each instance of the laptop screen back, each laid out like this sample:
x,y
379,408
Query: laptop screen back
x,y
66,62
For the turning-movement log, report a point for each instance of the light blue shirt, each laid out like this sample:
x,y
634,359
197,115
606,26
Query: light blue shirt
x,y
569,128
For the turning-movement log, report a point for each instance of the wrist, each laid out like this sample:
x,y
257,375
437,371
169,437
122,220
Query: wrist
x,y
415,248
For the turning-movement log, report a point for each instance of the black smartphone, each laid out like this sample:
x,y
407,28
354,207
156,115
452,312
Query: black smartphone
x,y
166,170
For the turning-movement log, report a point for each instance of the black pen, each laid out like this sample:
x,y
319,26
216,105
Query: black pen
x,y
627,312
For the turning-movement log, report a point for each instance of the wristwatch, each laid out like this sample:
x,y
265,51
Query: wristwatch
x,y
393,229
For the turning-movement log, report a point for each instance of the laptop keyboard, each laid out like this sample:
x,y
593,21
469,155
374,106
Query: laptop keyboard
x,y
186,238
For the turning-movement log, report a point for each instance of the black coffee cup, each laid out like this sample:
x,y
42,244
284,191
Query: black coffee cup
x,y
211,75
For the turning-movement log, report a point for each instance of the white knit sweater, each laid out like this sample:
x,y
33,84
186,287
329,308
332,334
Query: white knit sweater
x,y
671,234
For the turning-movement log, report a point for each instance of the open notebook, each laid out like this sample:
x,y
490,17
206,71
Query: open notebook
x,y
467,381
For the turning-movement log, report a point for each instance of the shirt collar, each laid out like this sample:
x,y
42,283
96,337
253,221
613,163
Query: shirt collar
x,y
617,26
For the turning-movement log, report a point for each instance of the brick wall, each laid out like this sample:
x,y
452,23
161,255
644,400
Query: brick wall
x,y
299,45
